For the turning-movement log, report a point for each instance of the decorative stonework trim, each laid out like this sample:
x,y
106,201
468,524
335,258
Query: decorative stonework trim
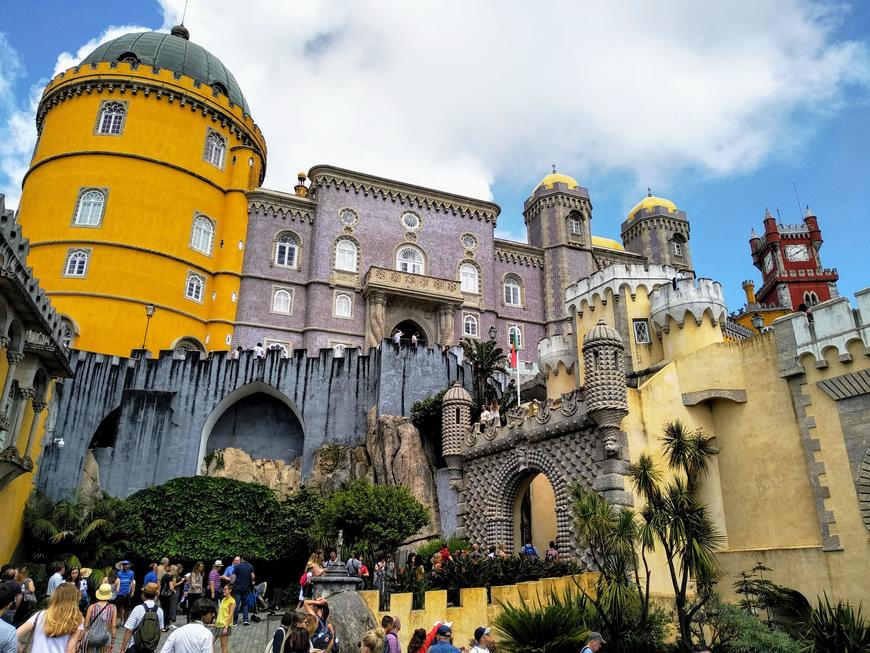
x,y
845,386
695,398
518,253
405,194
816,469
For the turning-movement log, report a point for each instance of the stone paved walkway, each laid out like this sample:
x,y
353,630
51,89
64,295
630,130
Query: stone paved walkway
x,y
245,639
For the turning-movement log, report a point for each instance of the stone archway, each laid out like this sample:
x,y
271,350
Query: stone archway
x,y
257,419
409,328
513,478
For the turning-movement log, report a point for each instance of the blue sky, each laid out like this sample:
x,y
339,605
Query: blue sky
x,y
484,105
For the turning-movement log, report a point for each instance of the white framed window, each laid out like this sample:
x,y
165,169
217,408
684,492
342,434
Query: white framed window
x,y
282,301
513,295
410,259
111,121
347,217
278,345
811,299
89,209
641,332
67,333
575,225
194,288
287,249
470,326
468,278
76,263
215,149
515,334
677,248
345,255
343,305
202,235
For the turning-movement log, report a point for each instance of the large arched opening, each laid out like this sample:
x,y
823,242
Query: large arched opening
x,y
259,420
534,514
408,329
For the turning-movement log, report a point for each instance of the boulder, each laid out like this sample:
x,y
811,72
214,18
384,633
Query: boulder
x,y
352,619
282,478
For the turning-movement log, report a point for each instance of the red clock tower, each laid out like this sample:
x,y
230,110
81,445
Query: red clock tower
x,y
791,268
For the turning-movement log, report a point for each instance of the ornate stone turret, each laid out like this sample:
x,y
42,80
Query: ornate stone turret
x,y
557,360
455,421
606,397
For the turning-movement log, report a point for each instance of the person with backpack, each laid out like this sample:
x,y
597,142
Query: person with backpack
x,y
391,626
195,636
100,622
143,626
324,637
289,623
223,625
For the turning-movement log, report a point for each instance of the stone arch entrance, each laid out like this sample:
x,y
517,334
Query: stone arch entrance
x,y
257,419
409,328
516,478
535,513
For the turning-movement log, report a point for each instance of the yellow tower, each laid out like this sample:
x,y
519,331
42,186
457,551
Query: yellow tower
x,y
135,201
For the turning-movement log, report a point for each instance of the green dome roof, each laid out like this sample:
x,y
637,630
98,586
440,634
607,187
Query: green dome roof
x,y
173,52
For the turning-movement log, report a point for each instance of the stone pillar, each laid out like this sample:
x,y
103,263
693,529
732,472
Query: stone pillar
x,y
376,318
445,325
13,358
25,394
38,407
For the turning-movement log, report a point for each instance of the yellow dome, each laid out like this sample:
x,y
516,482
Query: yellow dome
x,y
554,178
609,243
650,202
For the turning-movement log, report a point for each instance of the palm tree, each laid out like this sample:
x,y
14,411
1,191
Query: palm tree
x,y
75,533
486,358
674,517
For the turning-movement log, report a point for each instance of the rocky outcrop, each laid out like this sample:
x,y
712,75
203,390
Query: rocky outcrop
x,y
336,465
283,478
398,457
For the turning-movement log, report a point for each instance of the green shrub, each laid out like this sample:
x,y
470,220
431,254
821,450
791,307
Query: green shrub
x,y
837,628
426,415
201,517
372,517
737,631
429,549
559,627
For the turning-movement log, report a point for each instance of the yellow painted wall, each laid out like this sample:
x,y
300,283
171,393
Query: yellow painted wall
x,y
473,609
141,252
14,496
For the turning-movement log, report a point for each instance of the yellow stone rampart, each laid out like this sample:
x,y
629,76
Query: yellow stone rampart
x,y
473,610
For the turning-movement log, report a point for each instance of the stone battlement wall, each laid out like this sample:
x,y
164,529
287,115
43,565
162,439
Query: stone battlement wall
x,y
831,324
691,296
618,279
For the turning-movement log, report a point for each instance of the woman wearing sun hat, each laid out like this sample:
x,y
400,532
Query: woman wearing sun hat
x,y
101,610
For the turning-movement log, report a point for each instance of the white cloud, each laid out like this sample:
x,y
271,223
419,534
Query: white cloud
x,y
454,95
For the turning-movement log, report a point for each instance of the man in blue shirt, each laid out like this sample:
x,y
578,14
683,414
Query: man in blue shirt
x,y
244,584
151,576
8,636
593,643
443,639
56,580
125,585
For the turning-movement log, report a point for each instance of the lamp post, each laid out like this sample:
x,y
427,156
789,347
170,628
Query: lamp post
x,y
149,313
493,332
758,322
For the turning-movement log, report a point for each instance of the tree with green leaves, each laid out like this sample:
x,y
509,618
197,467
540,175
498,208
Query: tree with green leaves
x,y
486,358
677,520
375,518
82,533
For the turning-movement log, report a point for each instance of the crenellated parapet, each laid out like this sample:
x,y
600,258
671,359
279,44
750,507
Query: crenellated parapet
x,y
832,325
619,279
687,297
555,350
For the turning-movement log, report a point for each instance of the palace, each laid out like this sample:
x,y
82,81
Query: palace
x,y
151,233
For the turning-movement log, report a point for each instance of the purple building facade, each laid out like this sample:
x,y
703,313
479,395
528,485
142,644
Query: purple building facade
x,y
349,258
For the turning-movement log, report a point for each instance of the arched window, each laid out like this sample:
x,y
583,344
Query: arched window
x,y
677,244
469,326
575,224
76,263
811,299
282,300
513,295
194,287
186,345
202,234
515,335
343,305
218,89
67,333
287,249
111,118
89,212
468,278
345,255
215,149
410,259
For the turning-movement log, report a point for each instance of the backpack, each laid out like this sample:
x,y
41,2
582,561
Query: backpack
x,y
305,579
147,633
98,633
387,642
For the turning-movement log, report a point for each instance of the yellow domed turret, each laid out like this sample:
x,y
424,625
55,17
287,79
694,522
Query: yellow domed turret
x,y
554,178
650,202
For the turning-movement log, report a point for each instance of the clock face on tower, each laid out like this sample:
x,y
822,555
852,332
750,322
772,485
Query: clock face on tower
x,y
768,262
797,253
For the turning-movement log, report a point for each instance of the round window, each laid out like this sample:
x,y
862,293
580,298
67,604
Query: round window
x,y
347,217
469,241
411,221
